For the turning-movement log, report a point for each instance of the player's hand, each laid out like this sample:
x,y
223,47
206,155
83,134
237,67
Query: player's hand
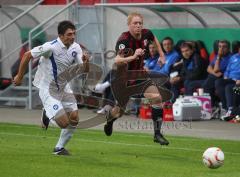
x,y
220,53
17,80
175,80
85,57
139,52
161,60
238,83
218,74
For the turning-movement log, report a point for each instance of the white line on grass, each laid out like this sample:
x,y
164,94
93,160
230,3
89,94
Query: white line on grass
x,y
94,131
115,143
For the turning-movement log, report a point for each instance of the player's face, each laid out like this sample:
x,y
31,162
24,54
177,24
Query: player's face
x,y
136,25
223,48
186,52
167,45
152,49
68,37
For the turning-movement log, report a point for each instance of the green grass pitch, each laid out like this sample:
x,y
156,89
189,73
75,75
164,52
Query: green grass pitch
x,y
25,151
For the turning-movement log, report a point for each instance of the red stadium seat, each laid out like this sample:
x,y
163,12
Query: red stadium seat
x,y
182,0
140,1
124,1
89,2
201,0
54,2
231,0
113,1
215,0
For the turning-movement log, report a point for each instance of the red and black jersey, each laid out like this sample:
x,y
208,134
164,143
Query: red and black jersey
x,y
126,40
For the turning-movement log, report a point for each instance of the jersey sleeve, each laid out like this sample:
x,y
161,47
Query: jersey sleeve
x,y
149,35
122,44
79,55
42,50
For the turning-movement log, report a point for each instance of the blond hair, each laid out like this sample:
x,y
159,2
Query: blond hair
x,y
133,14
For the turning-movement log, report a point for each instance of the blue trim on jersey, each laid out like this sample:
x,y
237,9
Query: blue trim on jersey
x,y
54,66
53,42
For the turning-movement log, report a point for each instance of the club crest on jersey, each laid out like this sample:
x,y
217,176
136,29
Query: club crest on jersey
x,y
55,107
40,48
74,54
121,46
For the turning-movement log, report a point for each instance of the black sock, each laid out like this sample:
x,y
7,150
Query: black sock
x,y
157,120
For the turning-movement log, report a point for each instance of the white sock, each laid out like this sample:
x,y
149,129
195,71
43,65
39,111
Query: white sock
x,y
105,109
65,136
101,87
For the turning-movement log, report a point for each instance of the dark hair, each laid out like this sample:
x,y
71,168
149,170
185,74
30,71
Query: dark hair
x,y
64,25
186,44
235,46
168,38
225,42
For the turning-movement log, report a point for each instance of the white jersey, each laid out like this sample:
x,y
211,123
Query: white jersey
x,y
55,58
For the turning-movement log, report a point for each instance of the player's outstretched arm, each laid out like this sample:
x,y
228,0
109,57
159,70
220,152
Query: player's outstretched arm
x,y
22,68
121,58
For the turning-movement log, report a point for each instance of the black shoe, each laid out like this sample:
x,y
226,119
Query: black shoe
x,y
108,128
160,139
60,151
44,120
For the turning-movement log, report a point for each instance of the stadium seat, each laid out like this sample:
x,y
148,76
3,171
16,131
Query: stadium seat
x,y
113,1
54,2
231,0
125,1
89,2
140,1
201,1
182,0
215,0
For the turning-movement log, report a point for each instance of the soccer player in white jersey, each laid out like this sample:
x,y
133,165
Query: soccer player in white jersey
x,y
56,57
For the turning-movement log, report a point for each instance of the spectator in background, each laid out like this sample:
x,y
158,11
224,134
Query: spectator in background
x,y
171,56
235,46
152,61
216,70
194,68
224,86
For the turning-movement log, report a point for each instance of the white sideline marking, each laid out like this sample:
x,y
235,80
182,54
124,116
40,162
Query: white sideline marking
x,y
117,143
179,138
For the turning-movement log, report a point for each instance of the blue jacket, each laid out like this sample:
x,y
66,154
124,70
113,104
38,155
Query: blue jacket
x,y
233,68
153,65
194,68
223,62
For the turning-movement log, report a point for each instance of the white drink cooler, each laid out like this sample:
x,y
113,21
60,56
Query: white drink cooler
x,y
187,108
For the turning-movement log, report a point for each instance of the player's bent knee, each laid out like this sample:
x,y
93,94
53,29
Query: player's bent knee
x,y
62,121
73,118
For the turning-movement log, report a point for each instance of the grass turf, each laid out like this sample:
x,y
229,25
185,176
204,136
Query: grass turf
x,y
26,152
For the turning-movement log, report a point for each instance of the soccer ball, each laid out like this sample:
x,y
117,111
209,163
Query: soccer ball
x,y
213,157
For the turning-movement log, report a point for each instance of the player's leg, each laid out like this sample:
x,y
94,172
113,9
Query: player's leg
x,y
153,94
44,120
68,122
101,87
64,115
112,113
